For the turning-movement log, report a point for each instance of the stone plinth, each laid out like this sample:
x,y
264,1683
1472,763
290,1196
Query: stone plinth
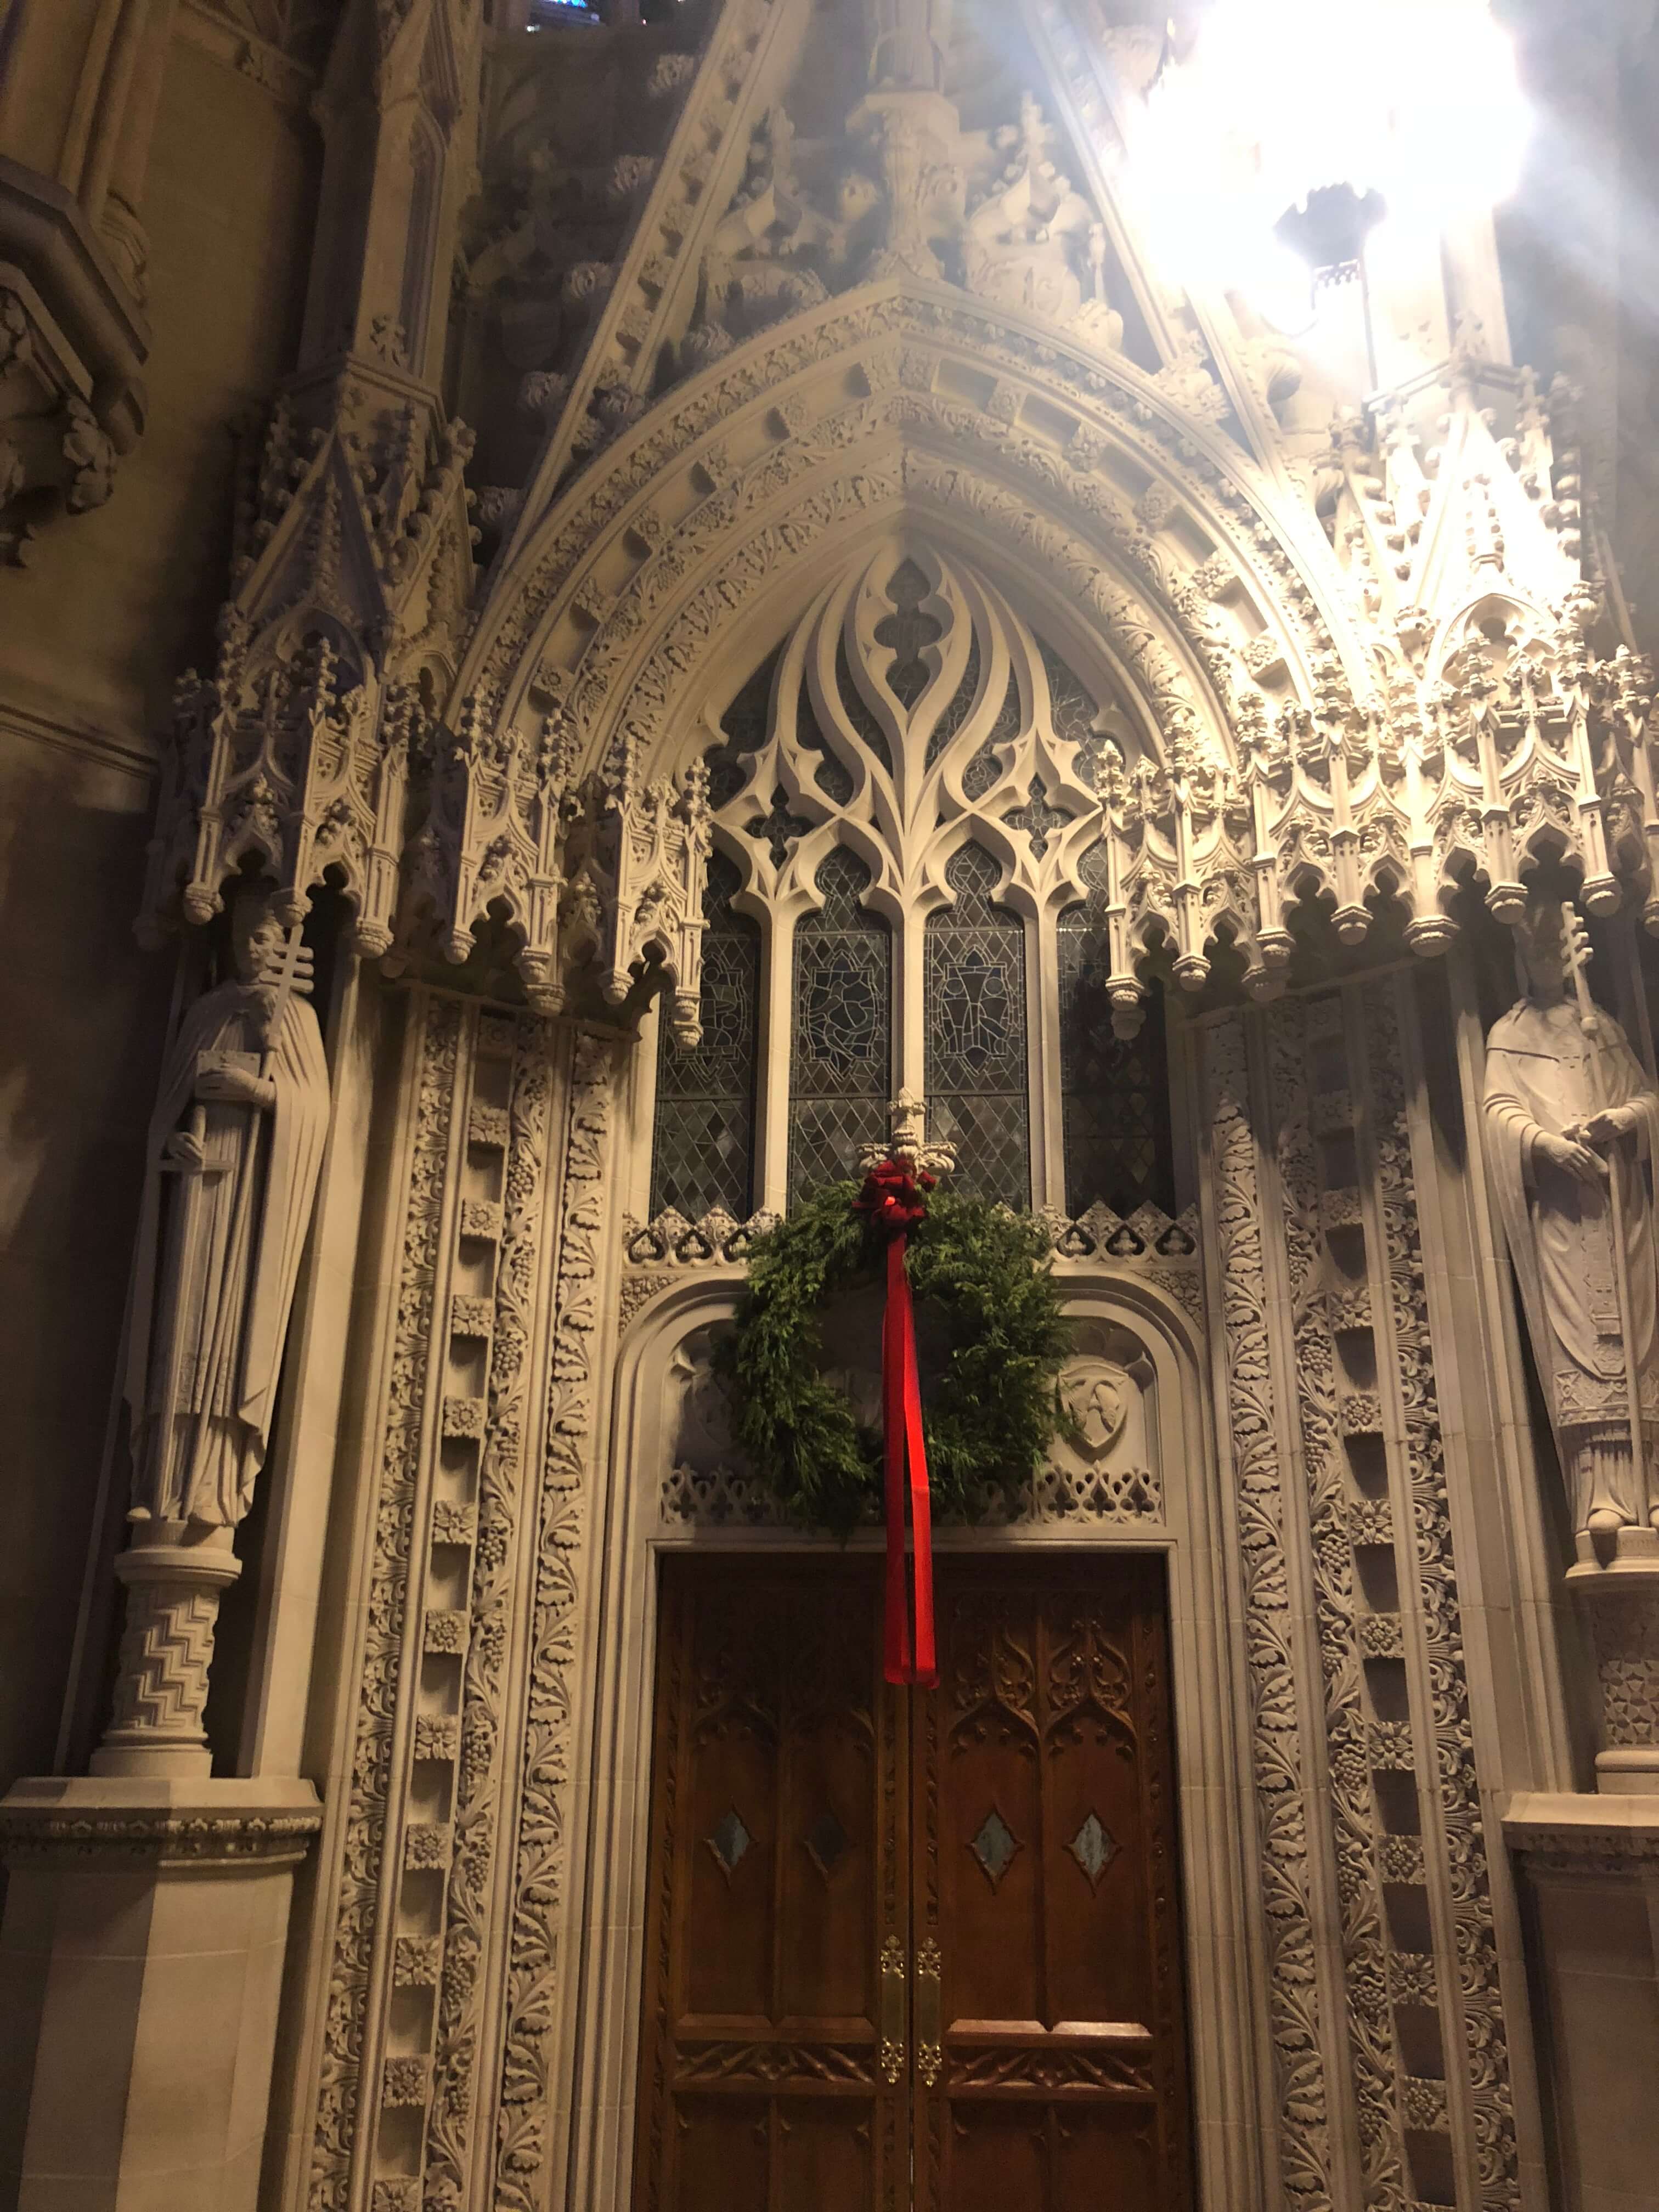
x,y
1591,1865
141,1963
1621,1605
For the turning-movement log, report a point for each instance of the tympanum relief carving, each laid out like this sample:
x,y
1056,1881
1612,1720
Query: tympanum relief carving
x,y
1106,1473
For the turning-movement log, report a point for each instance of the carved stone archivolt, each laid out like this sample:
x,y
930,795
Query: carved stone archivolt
x,y
1281,765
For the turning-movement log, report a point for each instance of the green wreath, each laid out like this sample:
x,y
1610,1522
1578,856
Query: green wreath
x,y
989,1417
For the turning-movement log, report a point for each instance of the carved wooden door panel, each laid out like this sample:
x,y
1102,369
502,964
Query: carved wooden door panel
x,y
1049,2050
777,1926
905,1949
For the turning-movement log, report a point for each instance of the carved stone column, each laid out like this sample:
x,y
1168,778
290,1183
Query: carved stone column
x,y
174,1573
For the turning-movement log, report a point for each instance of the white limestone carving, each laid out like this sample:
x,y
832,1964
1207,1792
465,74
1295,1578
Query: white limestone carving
x,y
1572,1121
235,1149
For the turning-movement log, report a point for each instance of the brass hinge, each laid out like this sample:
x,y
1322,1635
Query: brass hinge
x,y
890,2055
930,2037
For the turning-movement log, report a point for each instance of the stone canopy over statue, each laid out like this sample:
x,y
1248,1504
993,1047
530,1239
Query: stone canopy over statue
x,y
1572,1123
235,1148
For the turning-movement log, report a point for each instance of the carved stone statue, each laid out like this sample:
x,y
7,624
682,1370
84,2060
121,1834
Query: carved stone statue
x,y
1573,1124
236,1148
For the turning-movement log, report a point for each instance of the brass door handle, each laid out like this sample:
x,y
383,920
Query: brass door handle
x,y
930,2035
890,2055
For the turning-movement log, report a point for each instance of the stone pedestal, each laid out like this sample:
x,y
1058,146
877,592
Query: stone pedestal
x,y
141,1965
1621,1605
1591,1876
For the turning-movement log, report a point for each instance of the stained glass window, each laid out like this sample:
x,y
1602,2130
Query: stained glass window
x,y
746,723
961,706
832,776
974,990
1115,1097
705,1138
841,1054
907,633
982,771
858,714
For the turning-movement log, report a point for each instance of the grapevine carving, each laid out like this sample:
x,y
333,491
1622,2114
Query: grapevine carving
x,y
500,1483
1473,1972
1354,1822
542,1844
1281,1803
362,1868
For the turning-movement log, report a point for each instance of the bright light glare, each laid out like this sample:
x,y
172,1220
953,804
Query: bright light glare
x,y
1416,99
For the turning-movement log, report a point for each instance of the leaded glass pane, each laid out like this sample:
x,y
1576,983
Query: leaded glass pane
x,y
832,776
840,1057
745,722
705,1134
1075,711
975,988
1115,1097
982,771
907,633
961,706
858,714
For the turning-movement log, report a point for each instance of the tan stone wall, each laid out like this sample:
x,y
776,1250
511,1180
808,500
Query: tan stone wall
x,y
92,636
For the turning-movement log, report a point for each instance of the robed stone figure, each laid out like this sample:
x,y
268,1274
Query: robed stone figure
x,y
1572,1123
235,1148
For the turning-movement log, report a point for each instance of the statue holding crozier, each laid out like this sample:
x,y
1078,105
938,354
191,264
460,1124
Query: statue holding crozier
x,y
1573,1126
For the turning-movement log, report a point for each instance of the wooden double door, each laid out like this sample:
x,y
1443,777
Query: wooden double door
x,y
912,1947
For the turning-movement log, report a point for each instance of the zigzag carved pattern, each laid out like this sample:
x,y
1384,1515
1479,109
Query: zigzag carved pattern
x,y
166,1652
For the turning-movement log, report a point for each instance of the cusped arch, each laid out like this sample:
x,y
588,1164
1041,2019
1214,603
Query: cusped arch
x,y
1133,529
888,405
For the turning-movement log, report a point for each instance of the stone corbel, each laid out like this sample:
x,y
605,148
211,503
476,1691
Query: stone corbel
x,y
72,350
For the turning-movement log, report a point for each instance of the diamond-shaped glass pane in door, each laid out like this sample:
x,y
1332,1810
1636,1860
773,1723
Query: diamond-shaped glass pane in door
x,y
826,1844
995,1846
1094,1847
729,1842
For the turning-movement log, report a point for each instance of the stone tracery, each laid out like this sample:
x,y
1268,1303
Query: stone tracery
x,y
1065,639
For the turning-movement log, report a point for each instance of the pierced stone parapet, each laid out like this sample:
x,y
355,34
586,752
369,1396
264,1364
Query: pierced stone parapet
x,y
1164,1250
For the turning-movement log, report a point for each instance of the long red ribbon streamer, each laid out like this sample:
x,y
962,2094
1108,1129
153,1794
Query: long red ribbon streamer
x,y
908,1656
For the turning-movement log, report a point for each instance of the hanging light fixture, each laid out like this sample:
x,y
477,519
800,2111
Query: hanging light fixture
x,y
1288,130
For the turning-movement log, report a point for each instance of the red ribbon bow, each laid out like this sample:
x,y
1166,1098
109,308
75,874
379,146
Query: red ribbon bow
x,y
895,1201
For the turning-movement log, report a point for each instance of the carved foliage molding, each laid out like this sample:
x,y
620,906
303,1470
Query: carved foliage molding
x,y
369,1808
441,2002
1466,1963
1256,1421
539,1895
1327,1415
1381,1691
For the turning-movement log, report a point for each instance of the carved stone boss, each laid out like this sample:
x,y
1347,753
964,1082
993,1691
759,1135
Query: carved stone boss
x,y
235,1150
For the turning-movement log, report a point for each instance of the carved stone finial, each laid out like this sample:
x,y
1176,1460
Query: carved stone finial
x,y
907,1141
